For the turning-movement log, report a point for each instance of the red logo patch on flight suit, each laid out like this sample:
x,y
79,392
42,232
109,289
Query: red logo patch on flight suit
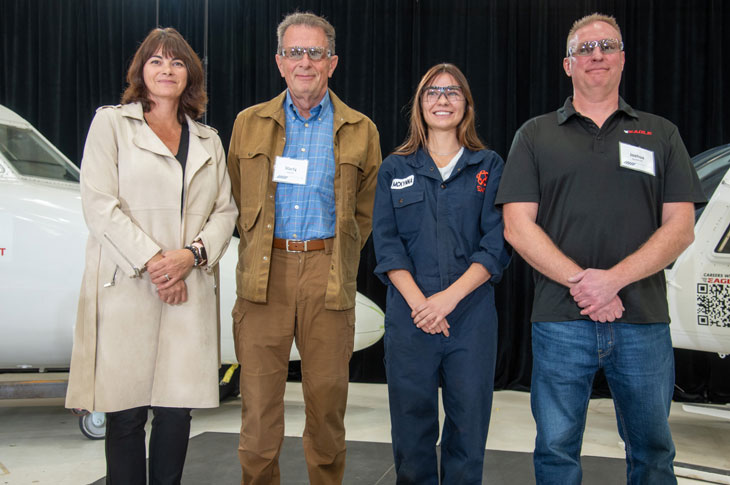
x,y
482,177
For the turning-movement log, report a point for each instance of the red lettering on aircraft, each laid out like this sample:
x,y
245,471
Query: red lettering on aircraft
x,y
2,251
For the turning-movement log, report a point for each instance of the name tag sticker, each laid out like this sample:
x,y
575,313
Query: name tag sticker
x,y
636,158
396,184
290,171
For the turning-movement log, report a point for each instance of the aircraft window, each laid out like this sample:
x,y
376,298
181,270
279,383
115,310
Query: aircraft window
x,y
31,156
723,247
711,174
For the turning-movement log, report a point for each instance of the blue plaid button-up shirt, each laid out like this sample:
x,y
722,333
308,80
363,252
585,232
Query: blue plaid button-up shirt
x,y
307,211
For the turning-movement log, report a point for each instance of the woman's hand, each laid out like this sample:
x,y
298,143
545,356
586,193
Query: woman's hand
x,y
171,267
430,316
175,294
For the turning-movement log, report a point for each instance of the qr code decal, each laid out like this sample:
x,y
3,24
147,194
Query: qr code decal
x,y
713,305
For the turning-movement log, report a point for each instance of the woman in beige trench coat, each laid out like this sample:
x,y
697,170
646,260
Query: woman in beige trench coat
x,y
157,201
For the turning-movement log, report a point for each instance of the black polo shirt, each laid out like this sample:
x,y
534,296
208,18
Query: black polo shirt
x,y
593,208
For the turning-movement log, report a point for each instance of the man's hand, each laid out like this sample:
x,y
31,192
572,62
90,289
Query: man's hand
x,y
593,289
608,313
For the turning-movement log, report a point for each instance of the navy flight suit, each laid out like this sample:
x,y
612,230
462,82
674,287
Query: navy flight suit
x,y
436,229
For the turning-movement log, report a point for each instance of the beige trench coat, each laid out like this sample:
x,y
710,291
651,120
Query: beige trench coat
x,y
130,348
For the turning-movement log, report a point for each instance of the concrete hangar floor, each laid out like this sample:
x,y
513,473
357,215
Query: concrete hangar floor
x,y
41,443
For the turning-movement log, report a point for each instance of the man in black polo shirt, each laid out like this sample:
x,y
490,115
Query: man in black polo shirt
x,y
599,198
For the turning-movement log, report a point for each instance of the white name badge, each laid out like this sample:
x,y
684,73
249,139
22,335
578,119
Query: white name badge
x,y
290,170
636,158
396,184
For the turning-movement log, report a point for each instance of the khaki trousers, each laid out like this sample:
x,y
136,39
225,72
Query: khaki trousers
x,y
263,335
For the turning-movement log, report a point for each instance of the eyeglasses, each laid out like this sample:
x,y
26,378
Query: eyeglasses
x,y
297,53
432,93
607,46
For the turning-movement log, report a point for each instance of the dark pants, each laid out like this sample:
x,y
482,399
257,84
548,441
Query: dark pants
x,y
416,362
125,445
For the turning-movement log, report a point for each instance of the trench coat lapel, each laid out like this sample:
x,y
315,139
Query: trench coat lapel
x,y
144,137
197,154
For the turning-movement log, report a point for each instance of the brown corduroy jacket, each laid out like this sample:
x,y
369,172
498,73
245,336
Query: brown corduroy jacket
x,y
258,138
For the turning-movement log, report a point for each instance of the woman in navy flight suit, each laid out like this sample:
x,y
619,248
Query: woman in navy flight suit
x,y
439,247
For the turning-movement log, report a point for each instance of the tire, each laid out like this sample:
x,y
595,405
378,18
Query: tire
x,y
93,425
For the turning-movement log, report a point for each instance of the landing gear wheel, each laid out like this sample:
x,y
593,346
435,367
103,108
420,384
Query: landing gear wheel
x,y
93,425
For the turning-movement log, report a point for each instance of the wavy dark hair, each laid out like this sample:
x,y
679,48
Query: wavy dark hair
x,y
193,98
466,132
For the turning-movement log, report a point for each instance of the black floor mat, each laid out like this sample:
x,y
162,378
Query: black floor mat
x,y
213,459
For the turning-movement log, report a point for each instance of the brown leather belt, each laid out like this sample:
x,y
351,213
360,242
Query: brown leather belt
x,y
300,246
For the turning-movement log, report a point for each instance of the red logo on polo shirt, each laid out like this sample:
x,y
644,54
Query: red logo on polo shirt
x,y
482,177
637,132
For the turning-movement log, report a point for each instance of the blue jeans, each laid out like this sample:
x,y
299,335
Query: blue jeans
x,y
639,365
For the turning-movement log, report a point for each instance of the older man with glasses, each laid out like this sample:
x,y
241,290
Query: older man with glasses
x,y
303,167
599,198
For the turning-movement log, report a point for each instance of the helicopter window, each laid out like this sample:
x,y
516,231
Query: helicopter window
x,y
31,156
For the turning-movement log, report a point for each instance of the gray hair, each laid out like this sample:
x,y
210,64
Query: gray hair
x,y
310,20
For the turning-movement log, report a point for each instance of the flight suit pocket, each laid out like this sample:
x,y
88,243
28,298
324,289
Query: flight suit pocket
x,y
406,197
408,207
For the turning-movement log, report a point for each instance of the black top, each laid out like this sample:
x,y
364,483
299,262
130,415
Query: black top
x,y
593,208
182,149
182,157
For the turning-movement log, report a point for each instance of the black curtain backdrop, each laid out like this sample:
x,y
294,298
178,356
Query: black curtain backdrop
x,y
61,60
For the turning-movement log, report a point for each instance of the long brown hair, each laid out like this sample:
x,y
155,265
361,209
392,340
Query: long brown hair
x,y
466,132
193,98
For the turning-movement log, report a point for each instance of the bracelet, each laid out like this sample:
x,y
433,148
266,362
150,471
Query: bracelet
x,y
196,254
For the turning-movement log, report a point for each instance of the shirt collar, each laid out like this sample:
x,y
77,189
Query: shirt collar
x,y
314,113
568,110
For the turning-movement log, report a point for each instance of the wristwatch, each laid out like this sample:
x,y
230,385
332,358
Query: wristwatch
x,y
198,249
201,250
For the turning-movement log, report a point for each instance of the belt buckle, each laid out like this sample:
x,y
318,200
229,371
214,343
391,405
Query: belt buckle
x,y
294,241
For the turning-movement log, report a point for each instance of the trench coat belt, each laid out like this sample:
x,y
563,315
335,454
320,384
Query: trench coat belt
x,y
292,245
